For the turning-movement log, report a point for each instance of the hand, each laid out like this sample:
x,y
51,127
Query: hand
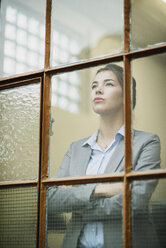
x,y
107,190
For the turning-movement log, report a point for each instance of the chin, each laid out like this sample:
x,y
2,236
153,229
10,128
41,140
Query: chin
x,y
100,111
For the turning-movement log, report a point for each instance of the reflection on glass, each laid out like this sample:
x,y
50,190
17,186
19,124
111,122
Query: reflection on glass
x,y
85,29
148,213
72,118
147,23
149,114
22,37
19,132
66,91
85,215
18,217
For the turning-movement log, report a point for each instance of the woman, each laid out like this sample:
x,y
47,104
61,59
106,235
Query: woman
x,y
97,208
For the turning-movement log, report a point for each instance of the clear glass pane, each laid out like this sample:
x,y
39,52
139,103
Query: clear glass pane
x,y
149,213
148,23
89,215
22,36
149,114
19,132
18,217
75,116
85,29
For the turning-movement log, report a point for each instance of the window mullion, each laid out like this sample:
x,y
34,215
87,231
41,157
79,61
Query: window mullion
x,y
45,111
48,33
128,132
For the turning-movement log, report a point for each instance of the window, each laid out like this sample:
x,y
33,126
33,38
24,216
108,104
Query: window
x,y
23,39
66,92
44,77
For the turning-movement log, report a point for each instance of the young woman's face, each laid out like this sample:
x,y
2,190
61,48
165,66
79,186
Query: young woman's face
x,y
106,94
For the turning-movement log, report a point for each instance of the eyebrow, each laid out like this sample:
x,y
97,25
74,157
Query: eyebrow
x,y
105,80
109,79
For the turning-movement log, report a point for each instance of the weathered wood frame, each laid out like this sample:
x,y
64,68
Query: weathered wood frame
x,y
44,77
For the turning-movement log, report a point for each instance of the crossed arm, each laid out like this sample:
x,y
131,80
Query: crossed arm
x,y
101,201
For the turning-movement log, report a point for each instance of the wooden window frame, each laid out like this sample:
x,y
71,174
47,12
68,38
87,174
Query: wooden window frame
x,y
44,76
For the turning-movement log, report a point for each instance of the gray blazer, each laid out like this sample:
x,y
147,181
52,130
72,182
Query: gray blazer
x,y
77,199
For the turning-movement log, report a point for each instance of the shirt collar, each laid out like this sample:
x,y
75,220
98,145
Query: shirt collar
x,y
121,131
92,140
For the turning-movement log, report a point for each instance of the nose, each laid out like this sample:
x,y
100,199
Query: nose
x,y
99,89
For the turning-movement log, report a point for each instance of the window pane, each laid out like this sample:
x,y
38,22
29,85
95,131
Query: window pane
x,y
80,215
148,23
22,36
85,29
18,217
149,213
149,114
74,117
19,132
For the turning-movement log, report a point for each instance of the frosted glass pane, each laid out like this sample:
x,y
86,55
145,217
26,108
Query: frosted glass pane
x,y
19,132
18,217
149,213
148,23
77,216
85,29
22,36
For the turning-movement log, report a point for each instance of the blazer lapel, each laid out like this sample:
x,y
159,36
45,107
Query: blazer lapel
x,y
84,156
114,163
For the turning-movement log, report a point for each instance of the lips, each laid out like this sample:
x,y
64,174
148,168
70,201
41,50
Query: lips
x,y
98,99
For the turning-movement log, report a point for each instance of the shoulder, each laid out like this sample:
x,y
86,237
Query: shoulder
x,y
146,150
79,143
78,152
142,136
145,142
77,146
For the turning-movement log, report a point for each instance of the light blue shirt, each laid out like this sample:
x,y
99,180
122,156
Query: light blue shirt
x,y
93,235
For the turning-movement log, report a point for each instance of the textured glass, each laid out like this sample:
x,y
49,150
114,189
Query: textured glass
x,y
149,114
149,213
85,29
22,38
18,217
19,132
78,215
148,23
73,118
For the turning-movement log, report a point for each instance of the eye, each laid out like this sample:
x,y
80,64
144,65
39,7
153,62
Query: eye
x,y
94,86
109,84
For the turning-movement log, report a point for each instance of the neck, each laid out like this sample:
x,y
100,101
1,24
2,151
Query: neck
x,y
109,126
